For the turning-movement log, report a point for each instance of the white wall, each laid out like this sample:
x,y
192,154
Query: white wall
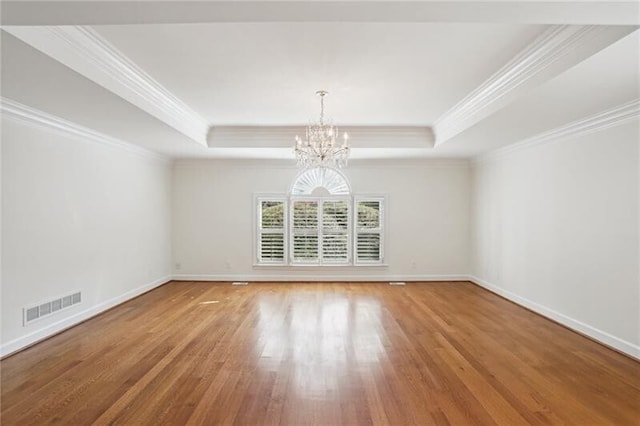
x,y
427,219
555,227
77,215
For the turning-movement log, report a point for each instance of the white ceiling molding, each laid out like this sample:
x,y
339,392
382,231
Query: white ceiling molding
x,y
290,164
286,154
612,117
29,116
284,136
555,50
86,52
147,12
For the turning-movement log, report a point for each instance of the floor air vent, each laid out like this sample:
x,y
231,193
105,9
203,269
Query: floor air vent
x,y
239,283
45,309
397,283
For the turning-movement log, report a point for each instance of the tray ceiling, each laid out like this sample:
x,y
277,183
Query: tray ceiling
x,y
413,79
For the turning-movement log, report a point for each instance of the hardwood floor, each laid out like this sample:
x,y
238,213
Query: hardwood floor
x,y
297,354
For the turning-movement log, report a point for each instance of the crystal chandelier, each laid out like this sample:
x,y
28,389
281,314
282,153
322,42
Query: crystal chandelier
x,y
320,146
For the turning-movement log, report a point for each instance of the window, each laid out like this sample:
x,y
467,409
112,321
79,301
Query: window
x,y
369,235
305,233
271,231
330,179
331,229
320,231
335,231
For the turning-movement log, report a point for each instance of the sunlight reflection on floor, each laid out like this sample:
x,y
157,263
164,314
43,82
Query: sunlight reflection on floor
x,y
324,340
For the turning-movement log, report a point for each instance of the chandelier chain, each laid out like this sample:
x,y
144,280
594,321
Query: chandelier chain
x,y
322,94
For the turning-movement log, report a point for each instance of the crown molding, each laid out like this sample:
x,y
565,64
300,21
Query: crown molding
x,y
284,136
612,117
86,52
555,50
29,116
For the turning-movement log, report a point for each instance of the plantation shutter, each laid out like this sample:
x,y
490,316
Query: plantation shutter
x,y
271,235
328,230
369,230
335,231
305,231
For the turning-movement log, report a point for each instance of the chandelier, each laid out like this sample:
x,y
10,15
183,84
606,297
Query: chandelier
x,y
320,146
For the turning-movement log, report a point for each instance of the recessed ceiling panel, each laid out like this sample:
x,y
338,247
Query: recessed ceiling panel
x,y
267,73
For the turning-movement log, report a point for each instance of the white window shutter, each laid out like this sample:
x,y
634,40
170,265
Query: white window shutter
x,y
271,231
335,231
304,234
320,230
369,230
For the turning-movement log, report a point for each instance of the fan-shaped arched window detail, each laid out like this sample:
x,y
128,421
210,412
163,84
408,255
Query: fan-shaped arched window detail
x,y
310,181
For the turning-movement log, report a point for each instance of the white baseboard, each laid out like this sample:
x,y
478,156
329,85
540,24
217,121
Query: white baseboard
x,y
318,277
56,327
582,328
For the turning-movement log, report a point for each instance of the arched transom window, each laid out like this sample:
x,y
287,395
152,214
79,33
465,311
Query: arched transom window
x,y
319,222
320,181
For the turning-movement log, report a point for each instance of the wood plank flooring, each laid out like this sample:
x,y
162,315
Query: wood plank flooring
x,y
310,353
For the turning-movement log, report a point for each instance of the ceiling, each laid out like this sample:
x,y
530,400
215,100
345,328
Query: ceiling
x,y
220,79
268,73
